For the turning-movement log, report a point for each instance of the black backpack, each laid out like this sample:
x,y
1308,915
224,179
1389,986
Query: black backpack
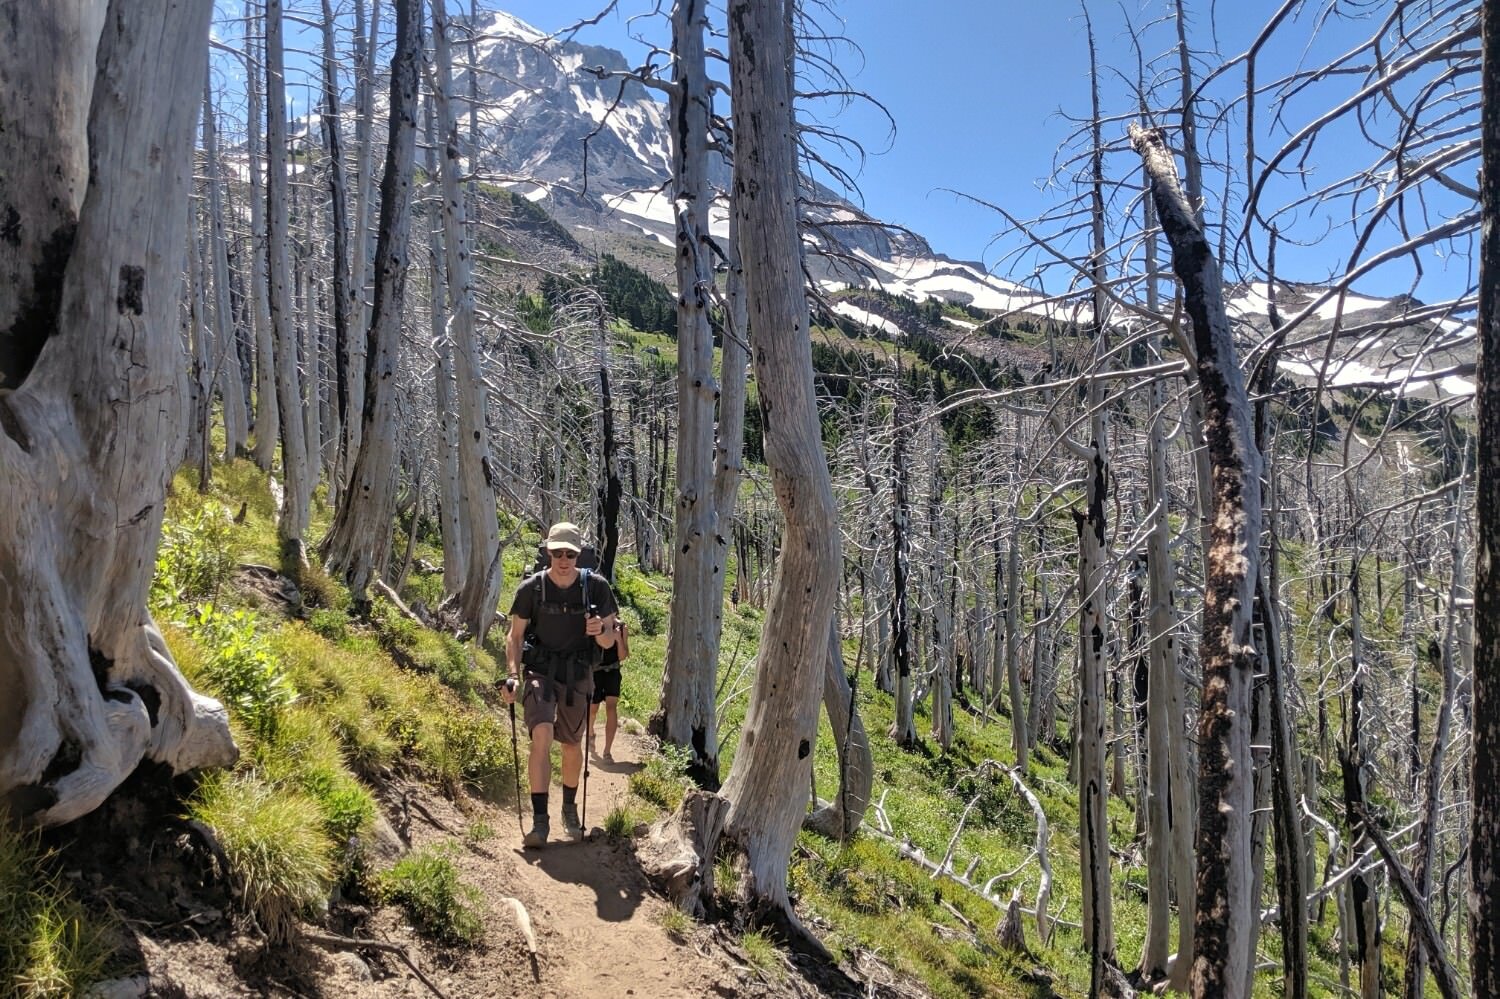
x,y
588,566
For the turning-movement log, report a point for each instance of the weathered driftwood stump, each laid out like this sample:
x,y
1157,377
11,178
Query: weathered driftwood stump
x,y
679,851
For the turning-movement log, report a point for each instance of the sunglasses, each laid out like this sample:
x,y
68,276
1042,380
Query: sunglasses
x,y
562,553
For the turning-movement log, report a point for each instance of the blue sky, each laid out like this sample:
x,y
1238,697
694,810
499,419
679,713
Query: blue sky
x,y
982,91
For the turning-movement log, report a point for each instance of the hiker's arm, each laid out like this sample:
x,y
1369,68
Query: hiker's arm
x,y
513,644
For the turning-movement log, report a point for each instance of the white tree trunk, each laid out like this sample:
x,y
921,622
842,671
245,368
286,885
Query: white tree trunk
x,y
841,817
227,357
267,409
89,431
686,712
766,785
360,540
455,557
481,531
295,507
364,173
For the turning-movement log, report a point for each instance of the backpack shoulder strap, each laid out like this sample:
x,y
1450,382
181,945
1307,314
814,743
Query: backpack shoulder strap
x,y
587,606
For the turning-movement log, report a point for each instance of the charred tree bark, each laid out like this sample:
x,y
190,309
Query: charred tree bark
x,y
344,301
1484,833
91,422
1223,906
359,542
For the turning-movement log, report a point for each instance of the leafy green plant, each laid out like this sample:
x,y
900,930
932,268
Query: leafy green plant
x,y
238,668
331,624
196,556
279,856
426,885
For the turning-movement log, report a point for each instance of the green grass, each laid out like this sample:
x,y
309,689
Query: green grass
x,y
280,858
426,885
49,944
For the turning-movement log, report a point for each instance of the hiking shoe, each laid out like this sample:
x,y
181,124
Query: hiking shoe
x,y
571,825
540,827
608,757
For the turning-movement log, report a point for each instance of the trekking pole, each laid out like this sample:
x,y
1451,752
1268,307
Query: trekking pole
x,y
515,757
588,748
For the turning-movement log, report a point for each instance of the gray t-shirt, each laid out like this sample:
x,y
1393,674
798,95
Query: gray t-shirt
x,y
557,613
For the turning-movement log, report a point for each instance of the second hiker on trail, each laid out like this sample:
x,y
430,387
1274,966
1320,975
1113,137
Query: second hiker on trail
x,y
561,621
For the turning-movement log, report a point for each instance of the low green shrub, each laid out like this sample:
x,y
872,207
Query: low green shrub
x,y
239,669
331,624
426,885
196,556
663,781
472,751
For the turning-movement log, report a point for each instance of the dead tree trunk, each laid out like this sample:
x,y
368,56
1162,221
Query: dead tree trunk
x,y
267,409
344,301
365,48
1484,832
843,814
449,491
227,358
765,786
360,540
685,715
295,507
1224,907
90,422
481,531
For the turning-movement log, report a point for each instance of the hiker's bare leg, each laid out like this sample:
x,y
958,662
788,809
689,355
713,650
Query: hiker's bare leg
x,y
611,722
594,714
572,762
539,763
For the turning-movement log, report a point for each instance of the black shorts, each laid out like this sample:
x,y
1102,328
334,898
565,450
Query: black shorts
x,y
606,684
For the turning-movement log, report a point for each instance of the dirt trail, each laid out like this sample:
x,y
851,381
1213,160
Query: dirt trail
x,y
597,921
596,918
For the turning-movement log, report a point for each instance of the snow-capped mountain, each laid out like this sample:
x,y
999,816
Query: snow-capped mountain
x,y
561,126
592,148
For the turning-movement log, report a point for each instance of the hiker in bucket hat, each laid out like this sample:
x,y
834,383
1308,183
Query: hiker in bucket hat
x,y
561,621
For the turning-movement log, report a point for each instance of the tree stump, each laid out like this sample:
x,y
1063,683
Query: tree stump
x,y
679,851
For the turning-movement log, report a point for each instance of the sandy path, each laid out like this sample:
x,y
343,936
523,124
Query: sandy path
x,y
596,918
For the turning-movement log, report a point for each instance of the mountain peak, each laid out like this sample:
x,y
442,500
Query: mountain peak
x,y
503,25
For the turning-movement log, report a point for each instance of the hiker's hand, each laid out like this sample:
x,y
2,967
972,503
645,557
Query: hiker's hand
x,y
593,626
508,690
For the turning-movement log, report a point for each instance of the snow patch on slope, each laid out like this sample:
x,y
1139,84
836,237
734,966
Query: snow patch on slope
x,y
866,318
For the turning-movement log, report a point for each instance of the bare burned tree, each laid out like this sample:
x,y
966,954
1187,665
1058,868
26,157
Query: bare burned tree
x,y
1224,906
90,413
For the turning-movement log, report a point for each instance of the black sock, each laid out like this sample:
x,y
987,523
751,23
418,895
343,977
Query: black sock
x,y
570,794
539,802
